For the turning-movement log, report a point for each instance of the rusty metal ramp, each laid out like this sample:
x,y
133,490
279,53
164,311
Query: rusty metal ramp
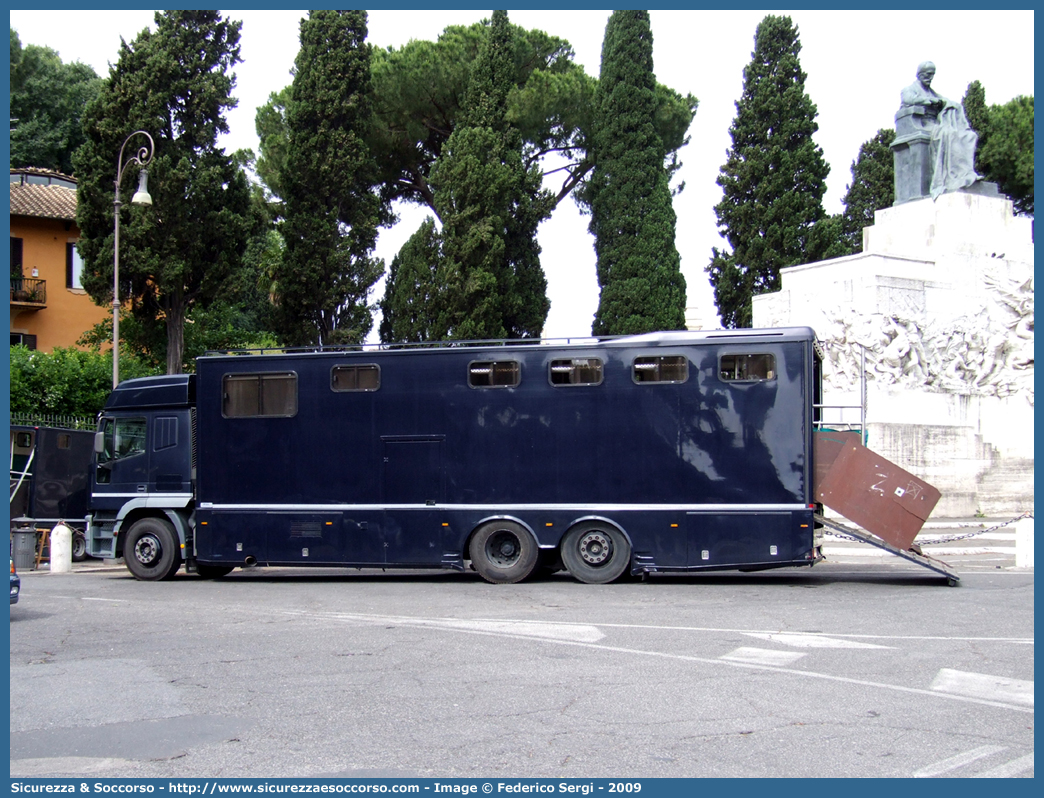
x,y
914,556
890,505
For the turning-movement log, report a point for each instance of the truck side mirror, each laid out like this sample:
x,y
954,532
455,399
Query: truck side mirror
x,y
99,443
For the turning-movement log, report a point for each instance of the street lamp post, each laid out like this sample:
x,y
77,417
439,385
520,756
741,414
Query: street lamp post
x,y
141,197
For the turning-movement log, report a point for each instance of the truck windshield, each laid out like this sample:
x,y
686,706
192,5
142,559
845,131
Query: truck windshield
x,y
124,437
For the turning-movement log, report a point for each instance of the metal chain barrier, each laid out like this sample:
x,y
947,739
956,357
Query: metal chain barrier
x,y
951,539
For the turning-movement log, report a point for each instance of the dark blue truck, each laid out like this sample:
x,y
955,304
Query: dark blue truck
x,y
666,452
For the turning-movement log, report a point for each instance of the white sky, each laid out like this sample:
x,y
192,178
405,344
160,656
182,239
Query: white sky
x,y
856,62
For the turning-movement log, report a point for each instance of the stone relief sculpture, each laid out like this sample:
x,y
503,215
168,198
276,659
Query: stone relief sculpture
x,y
989,352
934,148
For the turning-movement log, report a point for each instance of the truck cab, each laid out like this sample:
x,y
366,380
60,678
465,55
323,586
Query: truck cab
x,y
143,466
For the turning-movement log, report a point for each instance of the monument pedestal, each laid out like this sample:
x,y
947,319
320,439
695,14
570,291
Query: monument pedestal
x,y
941,302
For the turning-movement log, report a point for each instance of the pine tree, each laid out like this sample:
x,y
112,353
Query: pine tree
x,y
490,204
176,84
632,218
331,209
872,188
773,179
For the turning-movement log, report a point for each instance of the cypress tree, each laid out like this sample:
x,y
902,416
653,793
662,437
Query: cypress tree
x,y
632,218
331,211
872,188
773,179
176,84
412,296
490,204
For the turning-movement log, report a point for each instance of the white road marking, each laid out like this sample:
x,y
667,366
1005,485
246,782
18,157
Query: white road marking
x,y
957,761
430,622
800,640
92,598
577,632
762,656
1008,769
981,685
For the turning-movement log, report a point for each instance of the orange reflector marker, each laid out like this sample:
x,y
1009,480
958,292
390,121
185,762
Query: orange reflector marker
x,y
804,526
445,524
548,524
674,526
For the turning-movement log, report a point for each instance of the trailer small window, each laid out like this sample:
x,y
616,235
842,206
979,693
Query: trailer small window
x,y
664,368
355,378
748,368
576,371
64,440
494,374
259,395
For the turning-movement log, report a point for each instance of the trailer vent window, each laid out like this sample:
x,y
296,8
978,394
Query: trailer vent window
x,y
576,371
748,368
64,440
259,395
355,378
666,368
494,374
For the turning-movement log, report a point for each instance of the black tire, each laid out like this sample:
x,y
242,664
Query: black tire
x,y
151,550
213,571
596,552
79,546
503,552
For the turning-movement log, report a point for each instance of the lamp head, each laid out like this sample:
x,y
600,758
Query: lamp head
x,y
141,196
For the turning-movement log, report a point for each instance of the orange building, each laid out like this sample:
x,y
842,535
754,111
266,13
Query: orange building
x,y
48,306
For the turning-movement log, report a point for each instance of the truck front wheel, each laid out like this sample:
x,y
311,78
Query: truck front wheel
x,y
151,550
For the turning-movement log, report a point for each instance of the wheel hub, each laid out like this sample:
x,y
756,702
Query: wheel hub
x,y
503,548
147,550
595,548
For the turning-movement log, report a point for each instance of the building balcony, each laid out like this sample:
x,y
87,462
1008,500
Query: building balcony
x,y
28,293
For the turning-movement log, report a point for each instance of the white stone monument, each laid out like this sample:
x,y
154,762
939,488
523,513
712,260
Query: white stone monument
x,y
941,302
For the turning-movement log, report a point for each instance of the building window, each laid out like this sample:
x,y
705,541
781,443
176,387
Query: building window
x,y
494,374
747,368
26,340
259,395
662,368
576,371
16,258
73,266
355,378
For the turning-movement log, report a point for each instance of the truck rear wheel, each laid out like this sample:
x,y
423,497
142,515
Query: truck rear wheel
x,y
596,552
503,552
151,550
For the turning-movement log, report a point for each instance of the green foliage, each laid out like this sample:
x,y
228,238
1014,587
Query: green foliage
x,y
331,208
773,179
419,91
978,116
66,381
47,101
632,219
1004,152
1007,156
414,295
273,137
491,203
872,188
176,84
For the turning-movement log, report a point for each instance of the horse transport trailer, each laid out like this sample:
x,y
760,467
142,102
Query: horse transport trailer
x,y
49,479
666,452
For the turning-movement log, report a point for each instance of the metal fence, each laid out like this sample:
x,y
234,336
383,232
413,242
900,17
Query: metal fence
x,y
49,420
